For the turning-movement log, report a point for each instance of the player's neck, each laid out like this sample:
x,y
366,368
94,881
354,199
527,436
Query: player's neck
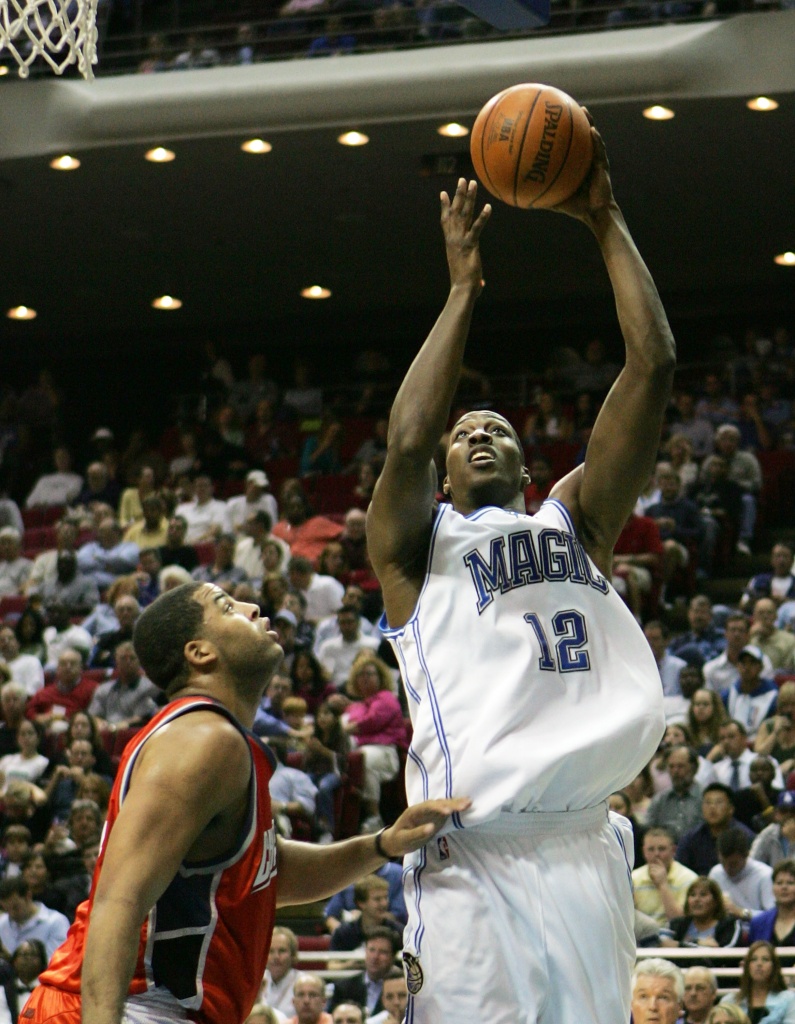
x,y
474,504
242,705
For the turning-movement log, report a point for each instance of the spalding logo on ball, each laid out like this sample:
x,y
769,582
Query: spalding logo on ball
x,y
531,146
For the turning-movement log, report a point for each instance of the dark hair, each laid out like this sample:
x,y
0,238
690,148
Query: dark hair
x,y
776,983
382,932
702,882
163,630
14,886
732,841
784,867
719,787
319,681
30,614
38,948
263,518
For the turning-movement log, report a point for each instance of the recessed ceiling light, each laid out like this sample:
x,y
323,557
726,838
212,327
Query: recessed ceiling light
x,y
166,302
316,292
256,146
453,130
21,313
785,259
353,139
658,113
3,70
762,103
160,155
65,163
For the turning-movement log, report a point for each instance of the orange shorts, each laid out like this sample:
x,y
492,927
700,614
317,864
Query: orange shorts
x,y
51,1005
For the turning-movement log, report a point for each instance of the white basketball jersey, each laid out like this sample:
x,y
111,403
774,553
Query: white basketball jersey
x,y
530,684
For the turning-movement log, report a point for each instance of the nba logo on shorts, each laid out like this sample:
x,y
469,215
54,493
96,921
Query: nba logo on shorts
x,y
444,849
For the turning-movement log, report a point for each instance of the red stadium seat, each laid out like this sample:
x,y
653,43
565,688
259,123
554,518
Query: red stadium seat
x,y
13,604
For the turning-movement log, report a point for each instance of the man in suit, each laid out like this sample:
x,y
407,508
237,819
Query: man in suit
x,y
365,989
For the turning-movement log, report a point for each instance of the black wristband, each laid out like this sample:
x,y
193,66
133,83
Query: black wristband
x,y
378,847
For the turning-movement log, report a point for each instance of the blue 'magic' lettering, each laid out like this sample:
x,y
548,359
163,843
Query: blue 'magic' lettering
x,y
488,576
524,563
578,559
555,564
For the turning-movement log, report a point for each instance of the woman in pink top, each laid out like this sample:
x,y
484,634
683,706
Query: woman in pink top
x,y
375,723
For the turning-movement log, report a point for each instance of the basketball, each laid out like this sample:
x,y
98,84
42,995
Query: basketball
x,y
531,146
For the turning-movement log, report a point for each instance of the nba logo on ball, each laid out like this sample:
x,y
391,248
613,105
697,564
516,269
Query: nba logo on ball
x,y
444,849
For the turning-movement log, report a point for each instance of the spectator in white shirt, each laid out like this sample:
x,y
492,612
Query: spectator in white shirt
x,y
280,974
746,884
58,488
722,672
14,569
25,669
338,654
61,635
323,593
45,565
668,665
258,552
734,768
22,918
206,516
329,627
255,499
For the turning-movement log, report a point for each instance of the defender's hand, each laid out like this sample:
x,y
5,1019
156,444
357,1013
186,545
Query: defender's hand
x,y
419,824
462,234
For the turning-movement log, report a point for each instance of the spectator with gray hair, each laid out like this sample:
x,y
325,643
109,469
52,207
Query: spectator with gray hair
x,y
658,988
701,990
745,471
14,569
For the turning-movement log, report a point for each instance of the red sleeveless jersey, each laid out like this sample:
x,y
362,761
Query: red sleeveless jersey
x,y
207,938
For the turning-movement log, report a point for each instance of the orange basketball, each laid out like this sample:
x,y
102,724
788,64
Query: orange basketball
x,y
531,146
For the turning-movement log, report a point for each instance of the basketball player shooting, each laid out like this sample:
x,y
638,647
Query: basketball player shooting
x,y
530,684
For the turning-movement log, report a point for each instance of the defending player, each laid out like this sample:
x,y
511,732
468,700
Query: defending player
x,y
530,685
179,920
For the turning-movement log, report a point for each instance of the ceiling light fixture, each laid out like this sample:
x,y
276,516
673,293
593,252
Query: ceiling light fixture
x,y
762,103
21,313
65,163
785,259
166,302
316,291
160,155
256,146
453,130
658,113
353,139
3,70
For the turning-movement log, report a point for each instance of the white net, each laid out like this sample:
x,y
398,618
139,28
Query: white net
x,y
61,32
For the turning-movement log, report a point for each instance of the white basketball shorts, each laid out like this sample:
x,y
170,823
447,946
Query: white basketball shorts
x,y
525,920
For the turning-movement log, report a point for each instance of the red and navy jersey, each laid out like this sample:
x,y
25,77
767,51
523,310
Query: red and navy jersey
x,y
207,938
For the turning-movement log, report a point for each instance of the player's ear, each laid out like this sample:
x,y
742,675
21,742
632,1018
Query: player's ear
x,y
446,488
201,654
525,476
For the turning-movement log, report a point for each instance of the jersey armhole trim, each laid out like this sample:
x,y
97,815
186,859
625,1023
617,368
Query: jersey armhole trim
x,y
564,512
393,633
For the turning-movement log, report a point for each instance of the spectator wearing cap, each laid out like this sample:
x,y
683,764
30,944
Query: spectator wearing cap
x,y
746,884
252,553
752,698
256,498
222,571
108,556
722,672
14,569
323,593
776,842
777,644
338,653
207,517
151,529
58,488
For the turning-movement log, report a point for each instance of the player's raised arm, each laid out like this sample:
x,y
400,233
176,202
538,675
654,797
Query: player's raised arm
x,y
398,521
623,446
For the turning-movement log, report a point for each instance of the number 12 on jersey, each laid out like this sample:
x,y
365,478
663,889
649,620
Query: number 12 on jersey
x,y
569,653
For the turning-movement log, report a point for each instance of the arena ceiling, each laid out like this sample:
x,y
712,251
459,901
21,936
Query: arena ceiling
x,y
709,195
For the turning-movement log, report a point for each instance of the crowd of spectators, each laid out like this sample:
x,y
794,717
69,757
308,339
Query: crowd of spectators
x,y
227,497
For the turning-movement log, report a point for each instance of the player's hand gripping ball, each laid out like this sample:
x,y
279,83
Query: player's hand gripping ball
x,y
531,146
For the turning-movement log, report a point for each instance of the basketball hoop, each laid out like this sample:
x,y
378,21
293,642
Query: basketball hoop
x,y
62,32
